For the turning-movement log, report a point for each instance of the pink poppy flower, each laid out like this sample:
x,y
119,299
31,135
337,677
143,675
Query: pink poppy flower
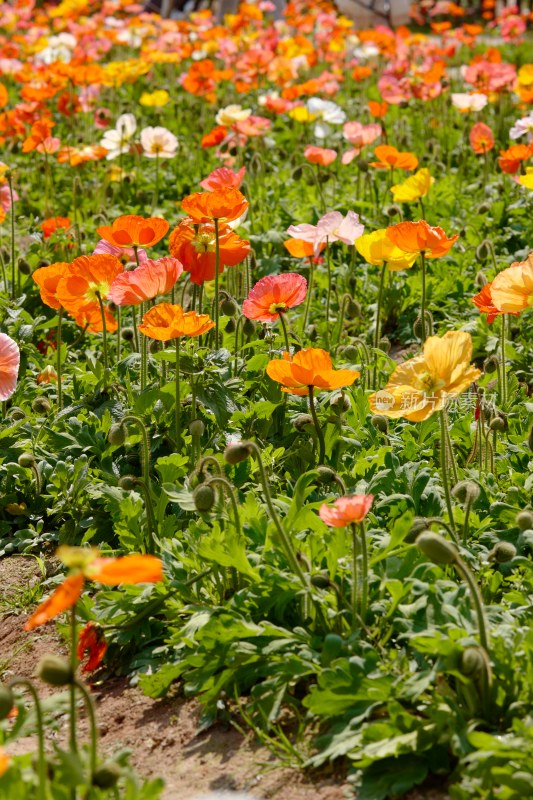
x,y
152,278
223,178
359,136
346,510
253,126
332,227
9,366
122,253
274,295
320,155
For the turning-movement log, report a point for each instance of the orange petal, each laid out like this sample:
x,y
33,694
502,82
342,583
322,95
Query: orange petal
x,y
63,598
128,569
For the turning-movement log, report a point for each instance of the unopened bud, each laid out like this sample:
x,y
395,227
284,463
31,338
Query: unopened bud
x,y
326,475
230,326
321,580
128,482
384,344
154,346
417,326
128,334
107,775
393,211
466,491
502,552
380,423
26,460
437,548
483,208
235,453
301,421
248,327
41,405
351,354
481,279
483,251
352,308
491,364
55,670
340,403
524,520
16,413
24,267
117,434
229,307
498,424
204,497
196,427
472,662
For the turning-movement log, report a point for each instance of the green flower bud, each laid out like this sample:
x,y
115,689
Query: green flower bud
x,y
230,326
240,451
117,434
320,580
41,405
524,520
27,460
7,700
301,421
128,482
472,662
351,353
248,327
483,208
229,307
352,308
384,344
154,346
128,334
437,548
393,211
55,670
480,280
16,413
24,267
339,403
379,422
491,364
326,475
466,491
417,325
483,251
204,497
502,552
107,775
363,165
196,427
498,424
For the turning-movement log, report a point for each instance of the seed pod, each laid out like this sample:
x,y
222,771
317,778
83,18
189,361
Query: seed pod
x,y
26,460
466,491
41,405
301,421
502,552
107,775
524,520
117,434
204,497
379,422
7,700
196,427
235,453
128,482
55,670
437,548
229,307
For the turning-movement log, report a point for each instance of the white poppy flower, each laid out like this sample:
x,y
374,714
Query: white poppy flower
x,y
326,110
117,140
231,114
469,102
158,142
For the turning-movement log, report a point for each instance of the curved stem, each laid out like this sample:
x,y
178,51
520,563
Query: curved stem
x,y
477,602
444,469
220,481
58,360
318,429
42,792
91,713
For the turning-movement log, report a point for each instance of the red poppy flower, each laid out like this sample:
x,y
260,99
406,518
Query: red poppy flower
x,y
483,300
92,641
418,237
132,230
51,225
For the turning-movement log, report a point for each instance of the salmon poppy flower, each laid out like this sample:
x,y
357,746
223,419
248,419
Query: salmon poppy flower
x,y
309,367
220,204
132,230
50,226
195,246
86,564
166,321
419,237
481,138
9,366
150,279
413,188
123,254
390,157
319,155
512,288
483,300
47,279
273,295
299,248
377,249
332,227
87,279
423,385
223,178
346,510
92,641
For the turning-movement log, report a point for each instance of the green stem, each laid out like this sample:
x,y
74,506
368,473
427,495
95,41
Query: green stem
x,y
144,353
178,395
318,429
104,332
451,455
13,260
42,792
355,589
220,481
328,294
72,688
58,361
91,713
503,376
377,333
119,332
364,565
217,278
423,300
285,331
477,602
444,469
309,294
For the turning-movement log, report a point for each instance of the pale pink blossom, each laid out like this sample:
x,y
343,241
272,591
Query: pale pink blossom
x,y
332,227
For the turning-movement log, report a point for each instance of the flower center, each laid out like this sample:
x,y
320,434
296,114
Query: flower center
x,y
204,242
96,289
430,384
275,308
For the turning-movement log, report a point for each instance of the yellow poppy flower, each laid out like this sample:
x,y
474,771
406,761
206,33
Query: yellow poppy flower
x,y
376,248
413,188
527,179
156,99
424,384
302,114
512,289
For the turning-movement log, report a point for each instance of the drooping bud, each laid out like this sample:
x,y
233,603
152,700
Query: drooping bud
x,y
248,327
498,424
502,552
55,670
320,580
240,451
229,307
524,520
472,662
41,405
107,775
466,491
326,475
16,413
231,326
437,548
481,279
128,334
340,403
27,460
204,497
196,427
301,421
24,267
117,434
393,211
483,251
379,422
128,482
351,353
491,364
417,325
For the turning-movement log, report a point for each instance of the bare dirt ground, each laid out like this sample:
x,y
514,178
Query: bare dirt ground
x,y
162,734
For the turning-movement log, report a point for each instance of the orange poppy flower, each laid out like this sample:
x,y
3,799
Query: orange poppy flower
x,y
150,279
481,138
86,563
132,230
377,109
86,278
419,237
322,156
391,158
50,226
40,132
214,137
47,279
511,159
298,248
221,204
166,321
346,510
483,300
194,246
512,288
274,295
90,318
361,73
309,367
